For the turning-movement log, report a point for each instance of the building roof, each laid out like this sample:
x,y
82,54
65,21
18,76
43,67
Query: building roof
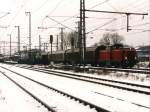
x,y
144,48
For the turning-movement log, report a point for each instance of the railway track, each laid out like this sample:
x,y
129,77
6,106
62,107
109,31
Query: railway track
x,y
81,68
143,89
73,98
143,105
133,70
28,92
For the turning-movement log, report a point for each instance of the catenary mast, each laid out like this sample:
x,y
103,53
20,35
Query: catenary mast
x,y
82,35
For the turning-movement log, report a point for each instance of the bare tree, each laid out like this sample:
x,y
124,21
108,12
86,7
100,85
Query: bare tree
x,y
116,38
71,39
106,39
111,38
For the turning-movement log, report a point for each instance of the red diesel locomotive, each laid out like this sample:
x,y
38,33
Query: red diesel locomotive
x,y
117,56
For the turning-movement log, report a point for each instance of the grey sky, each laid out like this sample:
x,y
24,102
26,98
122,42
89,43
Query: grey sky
x,y
41,8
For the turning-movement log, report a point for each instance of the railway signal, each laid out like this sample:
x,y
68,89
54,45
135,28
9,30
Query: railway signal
x,y
18,27
51,41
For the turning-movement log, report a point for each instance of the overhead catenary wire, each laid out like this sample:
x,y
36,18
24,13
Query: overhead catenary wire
x,y
73,16
42,5
61,24
78,13
17,13
143,24
135,25
23,5
117,9
116,19
98,4
56,6
133,5
102,25
93,7
88,17
142,8
5,15
133,33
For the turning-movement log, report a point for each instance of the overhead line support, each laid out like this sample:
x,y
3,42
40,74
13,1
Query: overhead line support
x,y
18,27
117,12
126,13
29,14
82,35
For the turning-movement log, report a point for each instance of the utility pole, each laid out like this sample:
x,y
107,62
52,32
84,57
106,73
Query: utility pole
x,y
51,42
82,35
149,31
18,27
62,38
10,43
39,43
5,15
57,43
4,48
29,14
45,46
78,30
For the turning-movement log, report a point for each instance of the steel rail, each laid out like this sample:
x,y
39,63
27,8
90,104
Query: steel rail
x,y
97,108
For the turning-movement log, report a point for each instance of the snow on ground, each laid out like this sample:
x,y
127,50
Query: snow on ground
x,y
59,102
100,95
14,99
144,64
137,78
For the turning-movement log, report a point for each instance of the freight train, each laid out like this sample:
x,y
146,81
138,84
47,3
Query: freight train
x,y
2,58
29,57
115,56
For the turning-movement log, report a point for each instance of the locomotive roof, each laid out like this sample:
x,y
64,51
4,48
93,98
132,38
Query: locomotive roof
x,y
57,52
32,50
77,50
144,48
54,52
87,49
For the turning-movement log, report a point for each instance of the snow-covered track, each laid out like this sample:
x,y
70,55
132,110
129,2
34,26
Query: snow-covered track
x,y
87,68
143,89
132,70
28,92
81,101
